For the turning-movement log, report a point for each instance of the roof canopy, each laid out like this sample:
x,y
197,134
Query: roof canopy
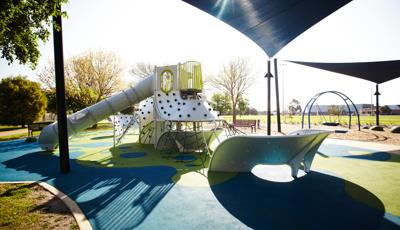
x,y
271,24
378,72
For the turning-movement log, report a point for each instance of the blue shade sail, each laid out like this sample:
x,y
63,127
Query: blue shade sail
x,y
377,71
272,24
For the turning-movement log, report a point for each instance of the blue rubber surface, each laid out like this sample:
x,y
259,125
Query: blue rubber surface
x,y
133,155
344,151
185,158
147,198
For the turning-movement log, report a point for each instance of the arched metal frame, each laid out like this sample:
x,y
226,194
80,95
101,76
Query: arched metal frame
x,y
341,95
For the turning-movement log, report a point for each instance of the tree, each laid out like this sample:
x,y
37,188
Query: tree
x,y
142,70
243,106
22,25
90,77
253,111
221,103
233,79
294,107
333,110
21,101
385,110
51,101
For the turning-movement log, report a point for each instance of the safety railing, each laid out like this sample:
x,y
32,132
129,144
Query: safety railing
x,y
190,76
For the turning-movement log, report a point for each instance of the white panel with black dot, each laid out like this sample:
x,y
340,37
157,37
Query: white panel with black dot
x,y
121,123
145,112
171,106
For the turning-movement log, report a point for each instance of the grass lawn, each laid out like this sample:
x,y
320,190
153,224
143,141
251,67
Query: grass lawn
x,y
9,128
389,120
26,206
100,126
17,136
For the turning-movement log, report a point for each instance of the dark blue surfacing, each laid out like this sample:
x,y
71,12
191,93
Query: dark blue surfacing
x,y
111,198
271,24
315,201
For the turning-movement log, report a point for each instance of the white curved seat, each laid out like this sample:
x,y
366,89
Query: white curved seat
x,y
242,153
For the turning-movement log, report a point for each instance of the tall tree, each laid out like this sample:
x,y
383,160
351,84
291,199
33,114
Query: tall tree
x,y
90,77
142,70
233,79
21,101
22,25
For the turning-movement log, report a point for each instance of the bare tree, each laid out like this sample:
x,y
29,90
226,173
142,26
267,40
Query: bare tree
x,y
234,79
47,77
89,77
142,70
99,70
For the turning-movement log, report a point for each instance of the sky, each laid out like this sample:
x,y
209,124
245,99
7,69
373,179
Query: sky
x,y
170,31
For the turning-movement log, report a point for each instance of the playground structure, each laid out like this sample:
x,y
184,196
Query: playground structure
x,y
173,115
171,111
313,100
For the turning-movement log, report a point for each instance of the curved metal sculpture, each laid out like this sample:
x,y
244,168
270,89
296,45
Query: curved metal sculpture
x,y
345,98
242,153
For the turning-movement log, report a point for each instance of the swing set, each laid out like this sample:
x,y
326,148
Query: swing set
x,y
330,122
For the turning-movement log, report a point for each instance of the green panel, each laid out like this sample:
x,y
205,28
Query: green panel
x,y
190,76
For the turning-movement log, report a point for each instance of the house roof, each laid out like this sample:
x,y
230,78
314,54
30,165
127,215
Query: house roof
x,y
393,107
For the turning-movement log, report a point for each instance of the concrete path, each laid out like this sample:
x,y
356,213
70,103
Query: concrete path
x,y
12,132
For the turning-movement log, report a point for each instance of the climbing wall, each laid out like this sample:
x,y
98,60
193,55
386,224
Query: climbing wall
x,y
171,106
122,123
145,112
146,109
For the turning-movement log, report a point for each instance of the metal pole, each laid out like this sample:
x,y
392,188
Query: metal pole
x,y
60,93
377,104
268,76
283,92
278,111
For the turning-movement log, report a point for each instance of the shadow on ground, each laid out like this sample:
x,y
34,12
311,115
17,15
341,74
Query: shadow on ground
x,y
330,150
315,201
112,198
102,137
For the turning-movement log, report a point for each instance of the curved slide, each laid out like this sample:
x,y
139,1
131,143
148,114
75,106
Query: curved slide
x,y
242,153
91,115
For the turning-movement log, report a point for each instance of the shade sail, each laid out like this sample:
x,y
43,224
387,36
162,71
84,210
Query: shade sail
x,y
271,24
378,71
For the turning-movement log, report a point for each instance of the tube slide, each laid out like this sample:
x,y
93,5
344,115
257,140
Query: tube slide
x,y
48,139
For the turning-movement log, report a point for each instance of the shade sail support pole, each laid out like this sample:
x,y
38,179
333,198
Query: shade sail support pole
x,y
377,104
268,76
278,111
60,93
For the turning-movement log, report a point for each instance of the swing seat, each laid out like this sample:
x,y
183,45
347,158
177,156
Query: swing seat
x,y
330,123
